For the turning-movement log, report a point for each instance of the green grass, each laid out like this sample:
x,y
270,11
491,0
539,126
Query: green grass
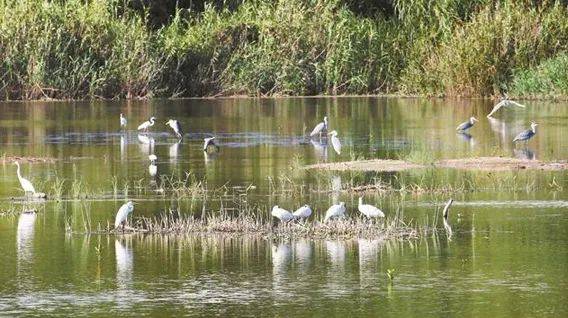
x,y
101,49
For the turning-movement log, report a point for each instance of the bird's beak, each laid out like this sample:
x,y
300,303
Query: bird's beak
x,y
475,119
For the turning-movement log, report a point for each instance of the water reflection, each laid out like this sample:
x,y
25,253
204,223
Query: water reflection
x,y
466,137
303,254
123,147
25,236
320,150
173,151
524,153
146,144
124,263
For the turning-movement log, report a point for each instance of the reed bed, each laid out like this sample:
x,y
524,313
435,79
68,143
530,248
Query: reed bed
x,y
112,49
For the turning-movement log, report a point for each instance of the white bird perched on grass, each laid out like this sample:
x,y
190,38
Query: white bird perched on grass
x,y
527,134
209,142
319,128
505,102
25,183
174,124
335,211
335,143
152,168
123,121
303,212
467,125
122,214
281,214
370,211
147,124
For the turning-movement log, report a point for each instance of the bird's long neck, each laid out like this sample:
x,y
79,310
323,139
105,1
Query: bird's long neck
x,y
18,171
533,129
152,121
360,201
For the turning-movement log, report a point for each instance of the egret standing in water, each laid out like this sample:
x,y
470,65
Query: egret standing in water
x,y
370,211
505,102
25,183
122,214
466,125
319,128
527,134
174,124
335,143
281,214
152,168
147,124
335,211
303,212
123,121
209,142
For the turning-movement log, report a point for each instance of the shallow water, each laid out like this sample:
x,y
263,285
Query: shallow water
x,y
507,255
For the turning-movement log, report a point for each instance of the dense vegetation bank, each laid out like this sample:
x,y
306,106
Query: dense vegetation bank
x,y
137,49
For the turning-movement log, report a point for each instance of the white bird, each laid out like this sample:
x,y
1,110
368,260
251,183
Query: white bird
x,y
319,128
370,211
467,125
25,183
123,121
122,214
303,212
505,102
335,142
281,214
174,124
147,124
152,168
335,211
207,142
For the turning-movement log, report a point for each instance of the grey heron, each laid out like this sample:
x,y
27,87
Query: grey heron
x,y
122,214
319,128
209,142
505,102
527,134
152,168
25,183
335,211
123,121
282,214
176,127
335,143
147,124
303,212
369,211
467,125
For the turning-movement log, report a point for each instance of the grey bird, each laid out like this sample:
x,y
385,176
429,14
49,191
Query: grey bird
x,y
527,134
174,124
467,125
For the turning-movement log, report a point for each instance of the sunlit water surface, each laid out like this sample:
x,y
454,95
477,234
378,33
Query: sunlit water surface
x,y
507,256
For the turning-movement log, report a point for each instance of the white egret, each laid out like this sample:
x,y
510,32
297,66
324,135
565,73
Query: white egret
x,y
282,214
209,142
122,214
25,183
505,102
527,134
174,124
319,128
152,168
123,121
335,211
335,142
303,212
467,125
370,211
147,124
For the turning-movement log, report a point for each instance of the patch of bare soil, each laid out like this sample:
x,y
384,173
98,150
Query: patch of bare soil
x,y
367,165
10,159
480,163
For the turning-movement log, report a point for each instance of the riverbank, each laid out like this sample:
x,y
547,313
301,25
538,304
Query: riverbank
x,y
109,50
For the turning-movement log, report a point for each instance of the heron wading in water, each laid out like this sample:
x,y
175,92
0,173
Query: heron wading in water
x,y
466,125
25,183
147,124
527,134
209,142
122,214
320,128
176,127
335,143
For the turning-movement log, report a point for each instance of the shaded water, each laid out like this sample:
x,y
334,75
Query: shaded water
x,y
507,255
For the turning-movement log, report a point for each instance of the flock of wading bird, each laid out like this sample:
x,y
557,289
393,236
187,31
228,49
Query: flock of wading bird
x,y
304,212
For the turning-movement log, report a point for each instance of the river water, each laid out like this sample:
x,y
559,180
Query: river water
x,y
507,255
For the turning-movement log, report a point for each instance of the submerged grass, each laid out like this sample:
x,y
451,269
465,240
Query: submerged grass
x,y
104,49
